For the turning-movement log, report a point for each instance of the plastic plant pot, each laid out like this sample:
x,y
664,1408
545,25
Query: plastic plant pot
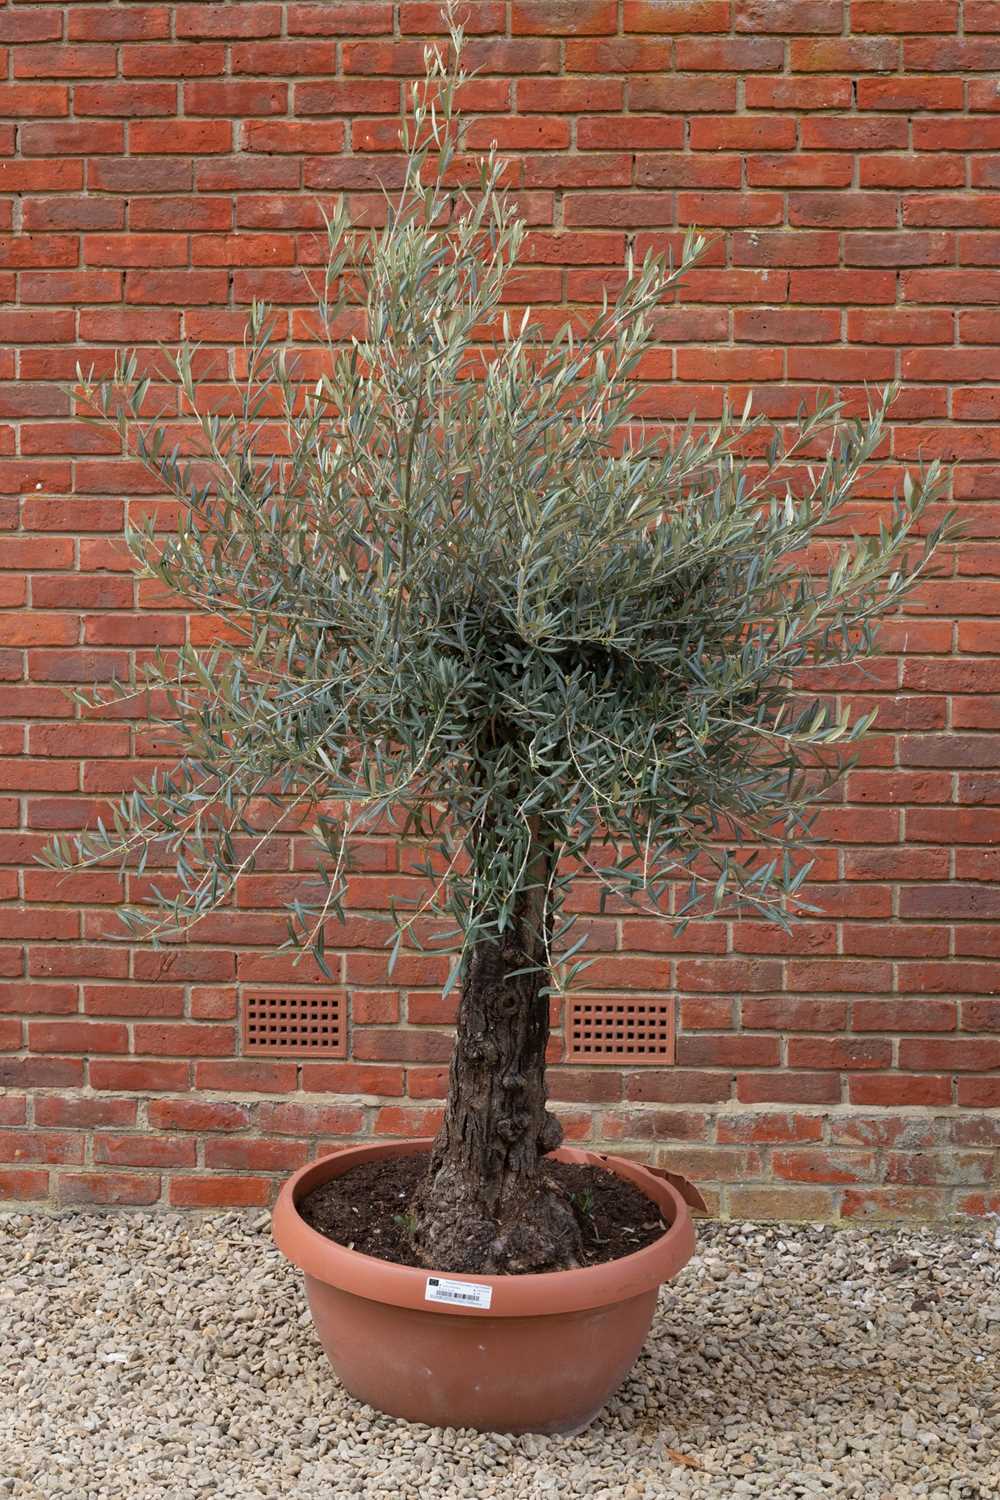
x,y
539,1353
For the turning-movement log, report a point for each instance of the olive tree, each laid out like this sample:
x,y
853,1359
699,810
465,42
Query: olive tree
x,y
464,590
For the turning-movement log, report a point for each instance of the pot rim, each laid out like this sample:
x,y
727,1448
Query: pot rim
x,y
540,1293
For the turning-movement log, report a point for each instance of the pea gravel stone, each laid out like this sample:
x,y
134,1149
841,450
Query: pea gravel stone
x,y
160,1355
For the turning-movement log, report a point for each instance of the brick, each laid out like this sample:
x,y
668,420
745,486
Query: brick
x,y
375,1045
564,17
41,176
816,248
808,92
254,1154
978,1093
77,1036
352,1078
977,1203
683,170
741,975
245,1077
335,96
296,136
902,16
24,1184
762,133
64,62
934,209
892,1090
786,326
576,95
213,1003
83,1113
847,55
310,1119
738,55
837,976
910,94
520,55
663,1125
218,1191
951,286
13,1110
788,1088
966,1055
34,25
41,1072
136,1150
124,1075
706,1015
424,17
49,1146
926,1168
798,17
781,1204
904,1015
847,211
823,1166
125,100
197,1114
980,1015
677,1086
892,1203
728,1051
769,1129
903,1132
180,60
800,170
400,1121
148,22
785,1013
349,18
982,15
33,101
679,96
180,137
867,133
174,1039
120,1188
709,1163
529,133
243,20
432,1083
567,1085
840,1053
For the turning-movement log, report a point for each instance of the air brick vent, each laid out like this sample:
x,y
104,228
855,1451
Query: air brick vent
x,y
619,1031
295,1021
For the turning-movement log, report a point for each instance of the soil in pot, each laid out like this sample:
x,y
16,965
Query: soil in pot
x,y
365,1209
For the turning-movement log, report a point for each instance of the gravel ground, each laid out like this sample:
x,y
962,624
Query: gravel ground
x,y
168,1356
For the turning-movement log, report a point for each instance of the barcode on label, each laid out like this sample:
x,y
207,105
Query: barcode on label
x,y
464,1293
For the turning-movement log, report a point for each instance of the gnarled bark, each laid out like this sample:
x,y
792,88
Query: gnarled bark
x,y
485,1204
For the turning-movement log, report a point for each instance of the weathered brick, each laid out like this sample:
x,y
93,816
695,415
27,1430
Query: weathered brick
x,y
107,1188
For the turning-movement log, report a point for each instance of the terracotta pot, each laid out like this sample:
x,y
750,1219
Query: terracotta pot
x,y
542,1354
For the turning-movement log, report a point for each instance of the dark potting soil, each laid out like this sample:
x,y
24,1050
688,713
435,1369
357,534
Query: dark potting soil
x,y
366,1209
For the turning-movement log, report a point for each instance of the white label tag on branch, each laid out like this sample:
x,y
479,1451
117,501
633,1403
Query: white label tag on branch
x,y
458,1293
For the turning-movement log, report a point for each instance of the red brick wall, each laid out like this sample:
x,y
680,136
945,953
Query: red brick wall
x,y
159,168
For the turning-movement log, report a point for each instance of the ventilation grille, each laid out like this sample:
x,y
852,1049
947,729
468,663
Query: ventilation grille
x,y
620,1031
295,1021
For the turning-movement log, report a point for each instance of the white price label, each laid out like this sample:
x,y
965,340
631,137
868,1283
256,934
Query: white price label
x,y
457,1293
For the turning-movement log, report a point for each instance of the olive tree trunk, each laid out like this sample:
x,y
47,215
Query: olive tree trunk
x,y
485,1204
